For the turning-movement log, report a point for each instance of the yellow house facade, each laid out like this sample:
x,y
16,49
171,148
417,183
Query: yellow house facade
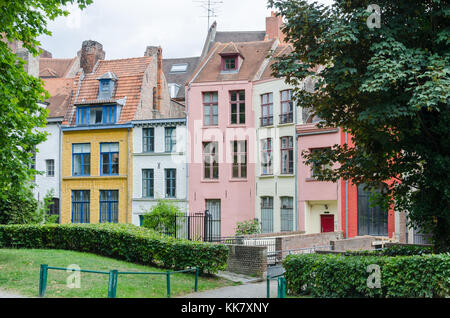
x,y
106,197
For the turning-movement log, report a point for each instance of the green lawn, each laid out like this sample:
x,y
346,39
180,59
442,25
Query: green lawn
x,y
19,273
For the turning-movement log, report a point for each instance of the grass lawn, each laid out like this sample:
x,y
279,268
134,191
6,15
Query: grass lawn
x,y
19,273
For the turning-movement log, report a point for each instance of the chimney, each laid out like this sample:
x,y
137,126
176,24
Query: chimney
x,y
274,25
91,52
156,52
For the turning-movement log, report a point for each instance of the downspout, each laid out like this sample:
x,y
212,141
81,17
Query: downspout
x,y
60,170
128,180
346,197
296,166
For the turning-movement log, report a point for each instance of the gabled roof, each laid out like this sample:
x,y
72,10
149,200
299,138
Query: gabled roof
x,y
253,53
180,78
281,50
60,90
130,77
230,48
52,68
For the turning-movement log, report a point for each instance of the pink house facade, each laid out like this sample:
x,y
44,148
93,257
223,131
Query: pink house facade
x,y
222,138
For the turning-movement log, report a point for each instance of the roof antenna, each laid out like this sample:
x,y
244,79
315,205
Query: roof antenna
x,y
211,7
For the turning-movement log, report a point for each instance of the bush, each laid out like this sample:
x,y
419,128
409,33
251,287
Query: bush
x,y
248,227
343,276
394,250
18,206
162,217
124,242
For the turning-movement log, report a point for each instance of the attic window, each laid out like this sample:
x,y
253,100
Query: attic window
x,y
179,68
230,63
174,89
106,85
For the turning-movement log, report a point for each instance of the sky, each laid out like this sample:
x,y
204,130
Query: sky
x,y
126,27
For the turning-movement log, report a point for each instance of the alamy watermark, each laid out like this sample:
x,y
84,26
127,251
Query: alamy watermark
x,y
74,279
374,279
374,20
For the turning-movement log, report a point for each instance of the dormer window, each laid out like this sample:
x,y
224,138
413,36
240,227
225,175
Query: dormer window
x,y
106,85
230,63
96,115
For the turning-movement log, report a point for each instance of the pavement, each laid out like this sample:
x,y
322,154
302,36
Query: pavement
x,y
250,287
4,294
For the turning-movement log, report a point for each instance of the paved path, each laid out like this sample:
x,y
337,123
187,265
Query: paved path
x,y
4,294
255,290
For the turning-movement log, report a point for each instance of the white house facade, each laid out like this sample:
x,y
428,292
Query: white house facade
x,y
159,165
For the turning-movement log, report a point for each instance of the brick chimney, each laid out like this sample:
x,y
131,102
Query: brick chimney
x,y
156,53
274,25
91,52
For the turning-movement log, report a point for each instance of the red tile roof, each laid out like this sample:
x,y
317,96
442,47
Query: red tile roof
x,y
130,74
60,90
50,67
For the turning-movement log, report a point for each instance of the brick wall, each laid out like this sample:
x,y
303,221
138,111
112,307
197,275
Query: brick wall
x,y
355,244
247,260
307,240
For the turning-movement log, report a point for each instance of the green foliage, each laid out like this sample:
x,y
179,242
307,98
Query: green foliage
x,y
248,227
388,87
19,207
20,113
394,250
124,242
162,217
341,276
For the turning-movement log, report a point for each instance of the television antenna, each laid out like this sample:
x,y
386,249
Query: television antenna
x,y
211,7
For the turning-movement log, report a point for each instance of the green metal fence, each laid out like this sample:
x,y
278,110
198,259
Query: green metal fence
x,y
281,290
113,277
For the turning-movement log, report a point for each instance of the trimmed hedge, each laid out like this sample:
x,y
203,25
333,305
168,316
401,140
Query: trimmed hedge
x,y
124,242
394,250
343,276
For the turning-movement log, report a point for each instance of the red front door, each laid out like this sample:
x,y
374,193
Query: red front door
x,y
327,223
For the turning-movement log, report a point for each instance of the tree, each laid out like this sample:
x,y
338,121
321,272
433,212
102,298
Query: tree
x,y
20,113
19,207
389,87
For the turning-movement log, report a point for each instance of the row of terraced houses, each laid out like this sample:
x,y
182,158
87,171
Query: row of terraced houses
x,y
216,132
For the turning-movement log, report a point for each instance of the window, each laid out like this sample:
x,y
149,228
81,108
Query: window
x,y
237,107
171,139
372,220
171,183
96,115
316,167
50,166
179,68
239,159
211,165
266,157
287,155
287,214
267,214
81,158
80,206
109,206
287,107
147,183
210,109
267,109
148,141
109,157
229,63
106,88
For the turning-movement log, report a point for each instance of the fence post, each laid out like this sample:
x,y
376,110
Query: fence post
x,y
112,284
206,227
196,279
43,280
268,286
168,284
281,287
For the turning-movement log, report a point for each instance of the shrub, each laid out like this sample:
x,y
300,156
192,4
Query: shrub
x,y
248,227
343,276
394,250
18,206
125,242
162,217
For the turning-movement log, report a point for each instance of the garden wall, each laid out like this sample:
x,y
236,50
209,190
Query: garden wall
x,y
247,260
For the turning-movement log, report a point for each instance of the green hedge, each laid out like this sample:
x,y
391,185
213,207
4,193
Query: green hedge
x,y
394,250
343,276
125,242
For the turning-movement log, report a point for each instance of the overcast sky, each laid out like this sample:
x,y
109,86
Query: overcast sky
x,y
126,27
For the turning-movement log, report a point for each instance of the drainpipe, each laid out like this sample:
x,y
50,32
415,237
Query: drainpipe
x,y
128,180
296,166
346,197
60,170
